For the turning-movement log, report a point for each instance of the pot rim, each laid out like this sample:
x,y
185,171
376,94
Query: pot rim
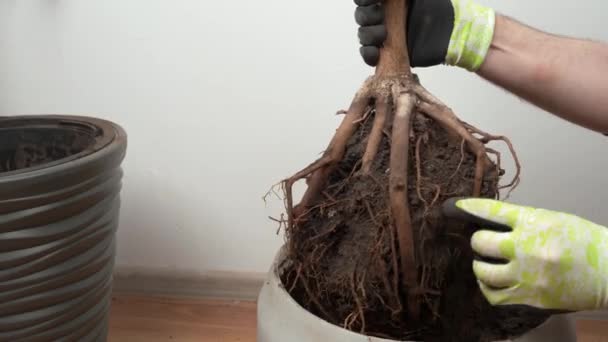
x,y
55,176
275,281
103,132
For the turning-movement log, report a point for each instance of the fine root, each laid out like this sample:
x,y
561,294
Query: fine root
x,y
498,168
314,298
447,119
486,138
460,162
361,313
419,173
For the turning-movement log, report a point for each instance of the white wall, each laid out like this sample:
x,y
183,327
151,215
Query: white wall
x,y
262,81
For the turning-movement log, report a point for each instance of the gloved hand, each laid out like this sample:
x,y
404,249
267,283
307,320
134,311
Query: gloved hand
x,y
551,260
452,32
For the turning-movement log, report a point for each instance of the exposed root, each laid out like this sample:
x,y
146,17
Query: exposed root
x,y
342,184
426,96
498,168
322,162
272,191
474,144
486,138
314,298
325,233
394,258
328,196
295,282
459,163
371,215
335,152
364,118
392,291
282,222
436,197
419,174
343,261
405,103
350,320
382,108
444,116
479,172
324,250
361,314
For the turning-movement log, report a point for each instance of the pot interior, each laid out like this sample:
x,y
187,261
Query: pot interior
x,y
32,145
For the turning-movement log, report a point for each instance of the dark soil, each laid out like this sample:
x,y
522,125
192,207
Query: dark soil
x,y
342,260
25,148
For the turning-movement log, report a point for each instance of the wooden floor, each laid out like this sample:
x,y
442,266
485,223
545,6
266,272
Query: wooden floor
x,y
149,319
592,331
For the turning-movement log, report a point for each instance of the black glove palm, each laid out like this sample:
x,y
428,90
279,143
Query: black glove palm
x,y
430,26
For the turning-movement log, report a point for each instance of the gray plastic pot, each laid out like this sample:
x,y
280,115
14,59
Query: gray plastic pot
x,y
281,318
60,179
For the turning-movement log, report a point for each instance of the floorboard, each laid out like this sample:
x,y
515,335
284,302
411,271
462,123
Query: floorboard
x,y
155,319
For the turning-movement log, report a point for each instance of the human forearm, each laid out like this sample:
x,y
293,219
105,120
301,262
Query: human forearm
x,y
564,76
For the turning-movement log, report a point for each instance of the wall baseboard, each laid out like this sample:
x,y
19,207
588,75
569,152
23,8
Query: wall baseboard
x,y
216,285
595,315
155,282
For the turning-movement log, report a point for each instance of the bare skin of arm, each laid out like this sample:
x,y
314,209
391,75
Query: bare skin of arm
x,y
564,76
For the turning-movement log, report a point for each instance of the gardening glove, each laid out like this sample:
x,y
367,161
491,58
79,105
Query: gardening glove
x,y
452,32
552,260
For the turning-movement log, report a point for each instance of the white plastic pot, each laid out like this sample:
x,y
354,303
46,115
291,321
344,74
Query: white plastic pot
x,y
281,319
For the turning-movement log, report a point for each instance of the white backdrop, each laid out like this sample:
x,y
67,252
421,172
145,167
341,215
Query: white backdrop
x,y
222,99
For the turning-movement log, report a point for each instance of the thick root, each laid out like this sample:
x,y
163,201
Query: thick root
x,y
382,108
400,208
332,155
314,299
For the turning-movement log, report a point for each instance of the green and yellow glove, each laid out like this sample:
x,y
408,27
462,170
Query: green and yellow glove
x,y
548,259
452,32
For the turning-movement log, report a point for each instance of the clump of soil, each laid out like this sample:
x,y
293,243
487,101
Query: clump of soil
x,y
22,148
343,262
